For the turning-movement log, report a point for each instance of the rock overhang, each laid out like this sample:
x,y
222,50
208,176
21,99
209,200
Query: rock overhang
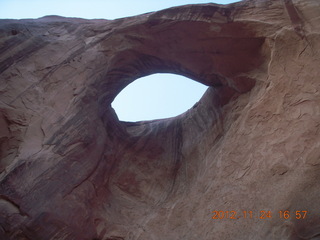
x,y
220,54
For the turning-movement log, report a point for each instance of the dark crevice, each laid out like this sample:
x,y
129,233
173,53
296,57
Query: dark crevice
x,y
22,213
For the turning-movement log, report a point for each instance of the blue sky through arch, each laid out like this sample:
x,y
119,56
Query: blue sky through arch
x,y
157,96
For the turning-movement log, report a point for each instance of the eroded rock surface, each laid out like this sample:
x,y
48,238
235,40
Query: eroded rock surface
x,y
71,170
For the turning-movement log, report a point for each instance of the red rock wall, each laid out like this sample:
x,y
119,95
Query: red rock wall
x,y
70,170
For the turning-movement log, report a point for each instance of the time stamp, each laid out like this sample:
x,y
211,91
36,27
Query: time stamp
x,y
259,214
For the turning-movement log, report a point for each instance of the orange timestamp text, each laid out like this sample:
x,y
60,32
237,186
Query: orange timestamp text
x,y
286,214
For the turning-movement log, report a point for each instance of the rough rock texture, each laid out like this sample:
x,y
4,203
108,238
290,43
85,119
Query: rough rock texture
x,y
70,170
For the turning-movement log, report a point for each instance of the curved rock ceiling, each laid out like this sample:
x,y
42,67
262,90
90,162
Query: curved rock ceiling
x,y
71,170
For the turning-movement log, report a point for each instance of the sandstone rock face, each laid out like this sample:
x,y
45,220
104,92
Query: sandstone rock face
x,y
71,170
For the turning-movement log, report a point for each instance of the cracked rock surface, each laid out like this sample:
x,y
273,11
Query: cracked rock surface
x,y
70,170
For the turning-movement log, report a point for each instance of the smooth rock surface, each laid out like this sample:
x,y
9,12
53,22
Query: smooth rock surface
x,y
71,171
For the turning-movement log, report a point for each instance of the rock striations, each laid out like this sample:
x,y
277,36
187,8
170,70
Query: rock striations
x,y
70,170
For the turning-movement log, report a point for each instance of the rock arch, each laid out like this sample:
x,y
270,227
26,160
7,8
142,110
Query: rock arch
x,y
71,170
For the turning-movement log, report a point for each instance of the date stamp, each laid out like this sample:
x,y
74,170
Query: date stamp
x,y
285,214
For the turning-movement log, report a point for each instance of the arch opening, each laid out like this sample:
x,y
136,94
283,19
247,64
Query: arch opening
x,y
157,96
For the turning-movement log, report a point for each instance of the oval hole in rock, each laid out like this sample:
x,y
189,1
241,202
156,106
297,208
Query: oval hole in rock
x,y
157,96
